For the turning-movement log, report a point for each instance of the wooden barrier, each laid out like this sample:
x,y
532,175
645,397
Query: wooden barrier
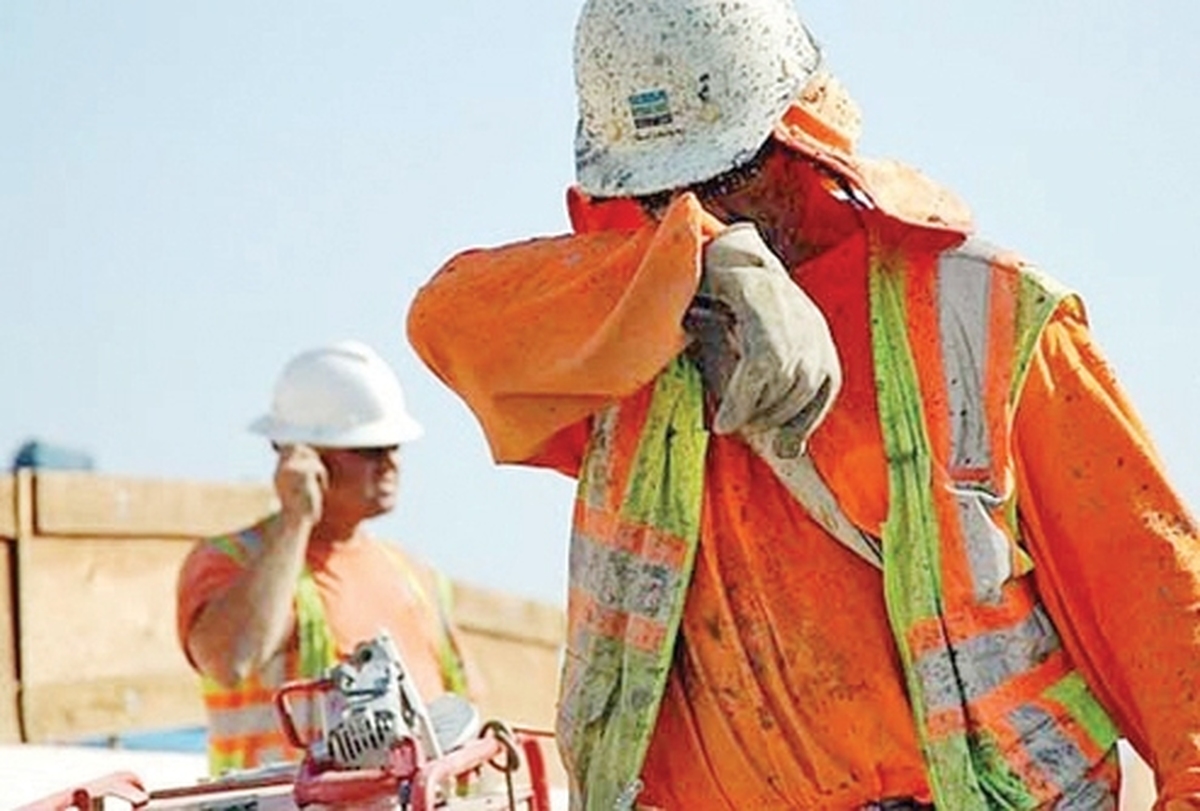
x,y
10,724
88,566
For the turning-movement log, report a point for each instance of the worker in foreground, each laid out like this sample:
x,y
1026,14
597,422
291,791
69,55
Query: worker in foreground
x,y
288,597
864,519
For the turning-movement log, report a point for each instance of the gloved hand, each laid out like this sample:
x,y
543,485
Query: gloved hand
x,y
763,347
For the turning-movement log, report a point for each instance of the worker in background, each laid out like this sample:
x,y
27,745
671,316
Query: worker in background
x,y
286,598
864,520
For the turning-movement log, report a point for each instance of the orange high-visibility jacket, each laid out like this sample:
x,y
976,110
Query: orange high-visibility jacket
x,y
787,690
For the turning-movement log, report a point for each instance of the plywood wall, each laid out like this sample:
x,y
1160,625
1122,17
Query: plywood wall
x,y
94,561
10,717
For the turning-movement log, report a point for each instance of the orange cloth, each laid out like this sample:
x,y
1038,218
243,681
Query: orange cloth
x,y
563,315
362,589
787,691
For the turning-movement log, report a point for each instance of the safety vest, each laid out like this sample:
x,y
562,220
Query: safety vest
x,y
243,729
1004,720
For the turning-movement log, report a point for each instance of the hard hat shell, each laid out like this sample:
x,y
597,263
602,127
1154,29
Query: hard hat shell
x,y
675,92
339,396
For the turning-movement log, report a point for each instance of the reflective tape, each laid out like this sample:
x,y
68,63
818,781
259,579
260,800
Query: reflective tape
x,y
978,665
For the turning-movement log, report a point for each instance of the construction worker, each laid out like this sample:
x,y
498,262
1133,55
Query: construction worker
x,y
284,599
864,519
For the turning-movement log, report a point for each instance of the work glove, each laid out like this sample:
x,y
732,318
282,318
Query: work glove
x,y
763,347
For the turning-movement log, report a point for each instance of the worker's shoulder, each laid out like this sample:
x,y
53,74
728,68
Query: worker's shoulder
x,y
979,257
238,545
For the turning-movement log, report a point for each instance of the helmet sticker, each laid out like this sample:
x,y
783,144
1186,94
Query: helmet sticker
x,y
651,108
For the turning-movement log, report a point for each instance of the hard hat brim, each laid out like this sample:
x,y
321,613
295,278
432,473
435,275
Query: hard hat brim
x,y
667,163
379,434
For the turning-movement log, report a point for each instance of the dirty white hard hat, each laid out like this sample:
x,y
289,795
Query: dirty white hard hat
x,y
339,396
675,92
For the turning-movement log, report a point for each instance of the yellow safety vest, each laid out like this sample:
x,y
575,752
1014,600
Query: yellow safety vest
x,y
243,729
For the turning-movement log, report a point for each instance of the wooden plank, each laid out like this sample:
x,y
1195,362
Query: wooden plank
x,y
71,710
23,510
10,722
493,613
10,709
8,507
98,647
99,608
520,680
85,504
10,719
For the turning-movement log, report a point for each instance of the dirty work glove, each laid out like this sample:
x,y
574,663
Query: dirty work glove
x,y
763,348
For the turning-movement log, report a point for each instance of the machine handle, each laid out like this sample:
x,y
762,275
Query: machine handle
x,y
284,710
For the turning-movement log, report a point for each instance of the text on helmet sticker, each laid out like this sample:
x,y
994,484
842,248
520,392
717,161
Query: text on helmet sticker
x,y
650,108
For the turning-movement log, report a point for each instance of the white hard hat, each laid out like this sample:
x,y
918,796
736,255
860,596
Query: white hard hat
x,y
339,396
675,92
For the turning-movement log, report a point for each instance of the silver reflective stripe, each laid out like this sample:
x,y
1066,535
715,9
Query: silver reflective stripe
x,y
1053,753
964,292
1090,795
989,551
964,300
257,720
622,580
1095,794
982,663
596,476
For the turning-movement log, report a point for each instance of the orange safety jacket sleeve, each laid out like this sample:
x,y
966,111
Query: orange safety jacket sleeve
x,y
1117,553
539,335
206,573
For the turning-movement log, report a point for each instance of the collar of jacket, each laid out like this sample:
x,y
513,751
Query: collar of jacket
x,y
812,127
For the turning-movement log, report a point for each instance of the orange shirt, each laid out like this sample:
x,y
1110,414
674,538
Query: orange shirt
x,y
786,690
363,591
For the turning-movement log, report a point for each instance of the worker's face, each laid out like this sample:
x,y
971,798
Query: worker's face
x,y
774,197
363,482
767,200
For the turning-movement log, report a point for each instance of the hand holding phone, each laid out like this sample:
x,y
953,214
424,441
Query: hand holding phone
x,y
300,482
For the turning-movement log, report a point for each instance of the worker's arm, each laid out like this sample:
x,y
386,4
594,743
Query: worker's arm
x,y
1117,553
240,628
539,335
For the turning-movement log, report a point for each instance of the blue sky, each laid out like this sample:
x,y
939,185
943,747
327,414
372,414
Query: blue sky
x,y
192,192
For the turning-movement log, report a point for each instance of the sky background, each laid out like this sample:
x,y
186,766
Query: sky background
x,y
192,192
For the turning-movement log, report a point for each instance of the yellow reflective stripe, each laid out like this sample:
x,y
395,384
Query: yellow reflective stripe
x,y
241,546
220,763
623,629
454,671
1073,693
317,649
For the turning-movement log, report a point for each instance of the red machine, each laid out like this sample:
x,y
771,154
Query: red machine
x,y
370,743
